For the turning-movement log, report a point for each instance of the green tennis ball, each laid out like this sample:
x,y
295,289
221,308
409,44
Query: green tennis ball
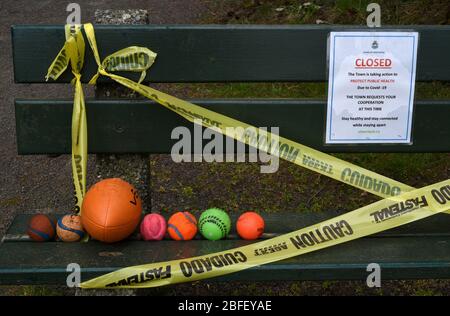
x,y
214,224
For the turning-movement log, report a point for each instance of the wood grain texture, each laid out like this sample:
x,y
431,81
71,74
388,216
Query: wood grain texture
x,y
126,126
218,53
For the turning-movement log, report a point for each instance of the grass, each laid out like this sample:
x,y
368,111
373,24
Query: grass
x,y
236,288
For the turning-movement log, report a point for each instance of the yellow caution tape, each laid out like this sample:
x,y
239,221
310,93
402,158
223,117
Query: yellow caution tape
x,y
73,51
402,204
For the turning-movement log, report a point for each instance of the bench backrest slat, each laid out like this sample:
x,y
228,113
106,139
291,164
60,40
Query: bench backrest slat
x,y
128,126
218,53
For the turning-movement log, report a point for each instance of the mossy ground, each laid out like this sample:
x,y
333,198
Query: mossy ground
x,y
287,288
394,12
241,186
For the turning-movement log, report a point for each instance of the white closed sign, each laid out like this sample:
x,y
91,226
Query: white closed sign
x,y
371,87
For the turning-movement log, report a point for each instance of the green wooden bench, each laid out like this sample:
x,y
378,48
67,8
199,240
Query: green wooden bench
x,y
220,54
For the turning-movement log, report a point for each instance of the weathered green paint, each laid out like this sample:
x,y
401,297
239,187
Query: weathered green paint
x,y
125,126
214,53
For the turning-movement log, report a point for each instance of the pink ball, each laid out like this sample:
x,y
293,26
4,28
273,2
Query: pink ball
x,y
153,227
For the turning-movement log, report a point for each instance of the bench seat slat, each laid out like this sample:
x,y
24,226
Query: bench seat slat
x,y
130,126
400,258
413,251
218,53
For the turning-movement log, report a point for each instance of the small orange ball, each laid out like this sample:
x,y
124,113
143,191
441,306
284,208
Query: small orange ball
x,y
69,228
250,225
182,226
41,227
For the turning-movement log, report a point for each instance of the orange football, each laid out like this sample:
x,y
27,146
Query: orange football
x,y
111,210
